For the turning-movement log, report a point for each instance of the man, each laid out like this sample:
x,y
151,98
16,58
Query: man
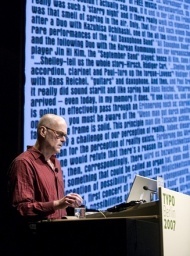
x,y
36,187
35,180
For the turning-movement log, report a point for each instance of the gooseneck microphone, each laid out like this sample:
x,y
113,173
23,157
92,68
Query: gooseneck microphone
x,y
147,188
152,194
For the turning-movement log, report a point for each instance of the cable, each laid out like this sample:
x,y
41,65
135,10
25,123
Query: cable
x,y
102,214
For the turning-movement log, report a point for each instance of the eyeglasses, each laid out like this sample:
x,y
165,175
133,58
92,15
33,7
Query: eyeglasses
x,y
58,134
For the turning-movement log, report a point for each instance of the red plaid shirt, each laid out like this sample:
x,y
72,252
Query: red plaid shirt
x,y
33,185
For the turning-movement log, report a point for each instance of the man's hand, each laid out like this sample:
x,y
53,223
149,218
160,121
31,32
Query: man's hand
x,y
72,200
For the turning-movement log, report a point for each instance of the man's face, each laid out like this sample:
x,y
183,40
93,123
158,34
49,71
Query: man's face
x,y
56,135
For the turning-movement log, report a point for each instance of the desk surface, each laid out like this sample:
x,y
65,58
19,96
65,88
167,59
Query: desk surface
x,y
136,211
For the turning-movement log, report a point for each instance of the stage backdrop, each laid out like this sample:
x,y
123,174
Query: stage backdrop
x,y
119,72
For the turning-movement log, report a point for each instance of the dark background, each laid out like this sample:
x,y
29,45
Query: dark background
x,y
11,88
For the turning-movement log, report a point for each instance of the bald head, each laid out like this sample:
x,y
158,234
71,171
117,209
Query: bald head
x,y
51,120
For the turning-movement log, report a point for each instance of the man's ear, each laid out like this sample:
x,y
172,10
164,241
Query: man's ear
x,y
43,131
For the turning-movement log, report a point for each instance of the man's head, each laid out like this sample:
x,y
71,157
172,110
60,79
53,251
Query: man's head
x,y
52,132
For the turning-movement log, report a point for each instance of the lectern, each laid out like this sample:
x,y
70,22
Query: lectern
x,y
160,228
110,236
113,234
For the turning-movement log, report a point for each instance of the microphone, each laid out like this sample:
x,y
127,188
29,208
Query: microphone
x,y
56,170
153,192
147,188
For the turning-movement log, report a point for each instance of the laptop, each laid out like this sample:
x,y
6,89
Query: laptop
x,y
143,189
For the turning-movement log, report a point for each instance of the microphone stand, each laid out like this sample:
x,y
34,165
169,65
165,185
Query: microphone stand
x,y
153,192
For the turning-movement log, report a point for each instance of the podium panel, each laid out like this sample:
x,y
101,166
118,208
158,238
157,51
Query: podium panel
x,y
101,237
175,223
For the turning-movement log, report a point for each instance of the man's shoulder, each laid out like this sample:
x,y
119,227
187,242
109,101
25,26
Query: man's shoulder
x,y
23,155
29,154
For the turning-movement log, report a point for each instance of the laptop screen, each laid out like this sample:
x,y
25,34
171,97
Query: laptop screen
x,y
142,189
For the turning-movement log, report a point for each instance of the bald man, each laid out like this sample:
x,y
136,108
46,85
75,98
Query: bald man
x,y
35,178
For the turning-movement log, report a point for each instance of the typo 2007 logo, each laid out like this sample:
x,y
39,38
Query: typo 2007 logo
x,y
169,213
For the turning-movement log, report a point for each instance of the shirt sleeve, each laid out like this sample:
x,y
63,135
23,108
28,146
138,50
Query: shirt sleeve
x,y
24,188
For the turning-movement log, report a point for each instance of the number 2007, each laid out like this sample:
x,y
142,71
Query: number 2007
x,y
169,224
